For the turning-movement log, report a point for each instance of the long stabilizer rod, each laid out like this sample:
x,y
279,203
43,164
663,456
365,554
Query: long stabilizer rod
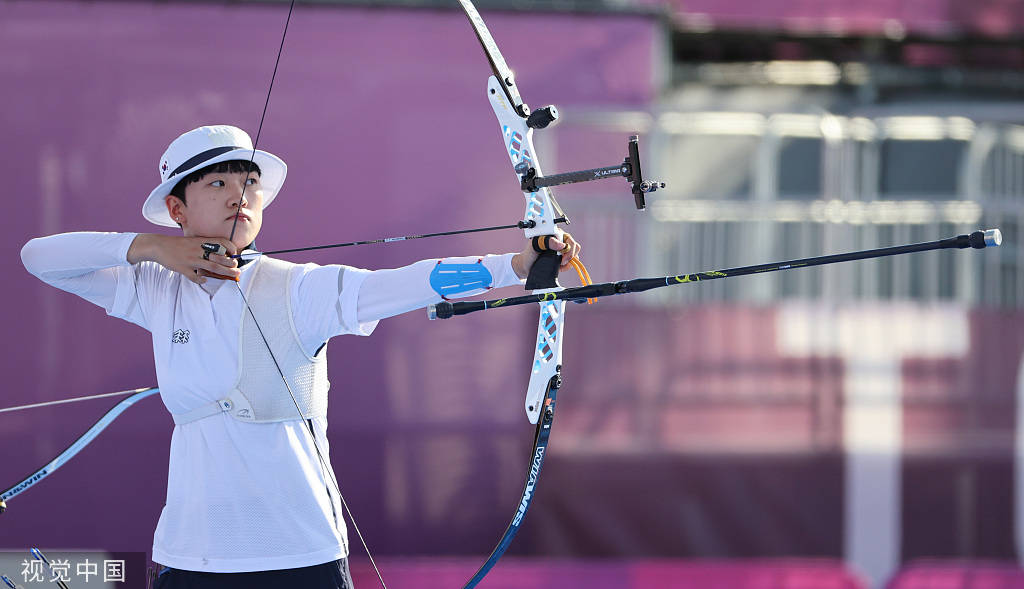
x,y
976,240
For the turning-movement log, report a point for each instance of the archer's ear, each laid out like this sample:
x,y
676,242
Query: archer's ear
x,y
175,207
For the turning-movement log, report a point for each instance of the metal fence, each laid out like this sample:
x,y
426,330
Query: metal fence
x,y
746,188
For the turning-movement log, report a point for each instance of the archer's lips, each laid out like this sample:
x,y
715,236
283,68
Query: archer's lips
x,y
241,218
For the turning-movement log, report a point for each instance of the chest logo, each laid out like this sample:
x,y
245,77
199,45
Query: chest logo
x,y
180,336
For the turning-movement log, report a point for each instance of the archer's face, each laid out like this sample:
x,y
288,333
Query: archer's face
x,y
211,204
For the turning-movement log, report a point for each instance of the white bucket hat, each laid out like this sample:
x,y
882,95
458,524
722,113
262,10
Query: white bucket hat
x,y
203,147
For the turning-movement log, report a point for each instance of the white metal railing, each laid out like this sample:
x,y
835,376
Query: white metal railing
x,y
859,183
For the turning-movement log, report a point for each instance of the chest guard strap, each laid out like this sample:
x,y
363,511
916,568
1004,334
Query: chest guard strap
x,y
259,395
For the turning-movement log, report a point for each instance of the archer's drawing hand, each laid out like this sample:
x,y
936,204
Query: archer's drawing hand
x,y
185,255
568,247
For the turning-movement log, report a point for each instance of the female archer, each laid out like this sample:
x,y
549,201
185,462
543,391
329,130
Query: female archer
x,y
239,341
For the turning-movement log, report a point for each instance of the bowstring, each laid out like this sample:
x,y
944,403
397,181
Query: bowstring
x,y
324,466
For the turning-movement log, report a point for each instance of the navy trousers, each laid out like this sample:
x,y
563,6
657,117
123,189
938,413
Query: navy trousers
x,y
330,575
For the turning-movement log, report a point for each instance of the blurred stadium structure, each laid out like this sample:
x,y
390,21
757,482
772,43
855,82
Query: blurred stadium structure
x,y
793,128
865,415
747,185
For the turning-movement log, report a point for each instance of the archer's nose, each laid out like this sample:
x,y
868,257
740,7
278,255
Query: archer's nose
x,y
241,202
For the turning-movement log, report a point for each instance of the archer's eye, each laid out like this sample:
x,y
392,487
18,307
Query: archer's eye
x,y
252,181
217,183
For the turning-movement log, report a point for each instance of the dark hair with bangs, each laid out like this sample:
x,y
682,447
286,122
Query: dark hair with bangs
x,y
230,167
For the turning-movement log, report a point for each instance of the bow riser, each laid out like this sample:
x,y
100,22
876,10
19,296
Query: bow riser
x,y
541,206
547,354
541,212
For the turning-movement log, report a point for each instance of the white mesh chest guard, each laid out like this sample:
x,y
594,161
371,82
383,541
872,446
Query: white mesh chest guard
x,y
259,395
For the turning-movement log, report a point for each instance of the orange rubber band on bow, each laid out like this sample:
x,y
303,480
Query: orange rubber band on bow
x,y
584,275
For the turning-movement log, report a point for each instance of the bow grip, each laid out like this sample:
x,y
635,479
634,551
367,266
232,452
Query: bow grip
x,y
544,272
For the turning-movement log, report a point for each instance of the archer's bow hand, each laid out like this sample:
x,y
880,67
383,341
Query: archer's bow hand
x,y
567,247
194,258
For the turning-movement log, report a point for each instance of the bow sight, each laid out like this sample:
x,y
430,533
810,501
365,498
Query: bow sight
x,y
629,168
542,117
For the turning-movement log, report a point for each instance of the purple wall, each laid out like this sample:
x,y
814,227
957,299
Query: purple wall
x,y
626,574
994,18
382,118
